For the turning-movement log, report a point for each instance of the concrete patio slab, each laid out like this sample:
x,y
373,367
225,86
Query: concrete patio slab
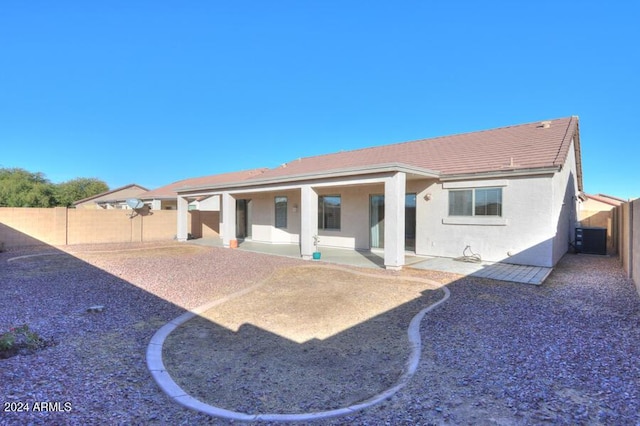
x,y
494,270
374,259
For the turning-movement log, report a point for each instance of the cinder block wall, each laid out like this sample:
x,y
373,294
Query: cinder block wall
x,y
159,226
204,224
635,248
101,226
61,226
32,226
627,217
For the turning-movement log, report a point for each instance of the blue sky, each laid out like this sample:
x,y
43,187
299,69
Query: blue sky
x,y
154,92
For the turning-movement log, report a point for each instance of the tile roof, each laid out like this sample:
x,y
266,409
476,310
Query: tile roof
x,y
170,191
111,191
607,199
524,146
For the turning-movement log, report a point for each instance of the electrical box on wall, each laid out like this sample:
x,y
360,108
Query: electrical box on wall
x,y
591,240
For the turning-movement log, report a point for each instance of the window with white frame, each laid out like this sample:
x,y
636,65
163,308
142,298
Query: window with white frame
x,y
475,202
281,212
329,207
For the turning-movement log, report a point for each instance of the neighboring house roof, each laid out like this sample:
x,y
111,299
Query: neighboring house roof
x,y
114,194
607,199
170,191
542,145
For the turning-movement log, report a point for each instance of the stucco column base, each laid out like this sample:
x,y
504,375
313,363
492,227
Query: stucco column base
x,y
308,221
182,232
393,268
394,212
228,219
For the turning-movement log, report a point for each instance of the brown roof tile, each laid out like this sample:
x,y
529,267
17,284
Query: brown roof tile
x,y
523,146
169,191
607,199
111,191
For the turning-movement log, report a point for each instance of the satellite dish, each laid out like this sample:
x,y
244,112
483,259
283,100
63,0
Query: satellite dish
x,y
135,203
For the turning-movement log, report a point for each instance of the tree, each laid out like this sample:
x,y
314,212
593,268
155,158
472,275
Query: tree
x,y
20,188
66,193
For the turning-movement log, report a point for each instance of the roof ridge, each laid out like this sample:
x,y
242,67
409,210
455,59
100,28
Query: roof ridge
x,y
110,191
261,169
429,139
572,120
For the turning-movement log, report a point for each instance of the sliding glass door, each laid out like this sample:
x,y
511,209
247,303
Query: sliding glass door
x,y
376,221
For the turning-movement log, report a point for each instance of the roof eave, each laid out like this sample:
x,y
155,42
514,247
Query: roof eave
x,y
501,173
325,174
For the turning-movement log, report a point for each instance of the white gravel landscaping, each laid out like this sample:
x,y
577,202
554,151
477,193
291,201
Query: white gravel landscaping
x,y
566,352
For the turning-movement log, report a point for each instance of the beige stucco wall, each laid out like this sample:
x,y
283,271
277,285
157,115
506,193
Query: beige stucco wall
x,y
354,232
262,217
523,235
565,207
354,221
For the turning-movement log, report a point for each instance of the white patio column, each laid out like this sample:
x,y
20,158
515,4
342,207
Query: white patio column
x,y
228,221
308,221
183,217
394,200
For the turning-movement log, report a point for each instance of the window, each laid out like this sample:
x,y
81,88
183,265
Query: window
x,y
329,212
488,202
460,202
476,202
281,212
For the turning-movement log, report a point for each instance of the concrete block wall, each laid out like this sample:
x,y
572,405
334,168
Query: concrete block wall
x,y
202,224
32,226
627,217
158,226
102,226
21,227
635,243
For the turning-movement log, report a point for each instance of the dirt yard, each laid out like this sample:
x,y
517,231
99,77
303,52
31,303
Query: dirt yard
x,y
494,353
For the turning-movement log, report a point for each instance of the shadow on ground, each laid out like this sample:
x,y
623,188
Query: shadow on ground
x,y
309,339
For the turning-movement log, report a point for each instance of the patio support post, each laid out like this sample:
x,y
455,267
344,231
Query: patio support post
x,y
183,217
394,206
308,221
228,225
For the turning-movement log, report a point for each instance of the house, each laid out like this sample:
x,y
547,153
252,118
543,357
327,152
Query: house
x,y
165,197
112,199
510,194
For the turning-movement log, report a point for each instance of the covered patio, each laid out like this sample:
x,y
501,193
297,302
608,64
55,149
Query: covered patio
x,y
335,207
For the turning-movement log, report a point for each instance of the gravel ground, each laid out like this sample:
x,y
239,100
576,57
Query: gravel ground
x,y
495,353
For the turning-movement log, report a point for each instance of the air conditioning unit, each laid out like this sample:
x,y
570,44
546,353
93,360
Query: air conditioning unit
x,y
591,240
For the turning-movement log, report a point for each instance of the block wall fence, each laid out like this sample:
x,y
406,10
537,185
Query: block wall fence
x,y
21,227
627,219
